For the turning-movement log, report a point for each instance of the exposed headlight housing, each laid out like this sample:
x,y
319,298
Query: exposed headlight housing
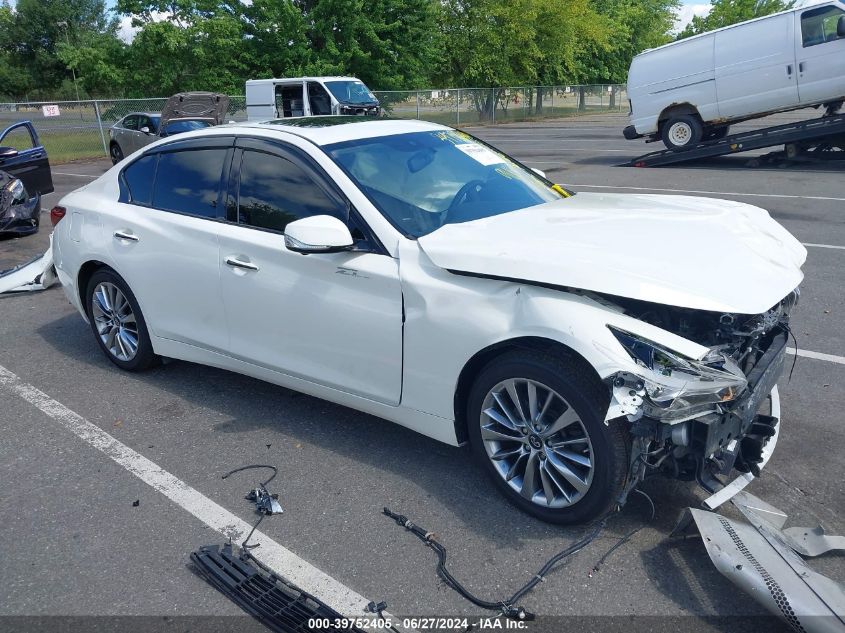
x,y
678,388
16,190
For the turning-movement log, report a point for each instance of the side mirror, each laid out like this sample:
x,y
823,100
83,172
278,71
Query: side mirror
x,y
540,173
8,152
145,130
318,234
840,27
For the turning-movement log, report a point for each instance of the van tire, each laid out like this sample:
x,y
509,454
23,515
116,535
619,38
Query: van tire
x,y
717,133
681,131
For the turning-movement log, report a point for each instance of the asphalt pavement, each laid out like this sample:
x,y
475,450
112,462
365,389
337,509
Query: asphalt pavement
x,y
85,536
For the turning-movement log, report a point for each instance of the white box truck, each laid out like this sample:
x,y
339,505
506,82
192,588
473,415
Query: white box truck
x,y
308,96
693,89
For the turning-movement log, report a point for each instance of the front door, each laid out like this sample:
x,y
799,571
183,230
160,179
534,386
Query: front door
x,y
332,319
820,52
23,156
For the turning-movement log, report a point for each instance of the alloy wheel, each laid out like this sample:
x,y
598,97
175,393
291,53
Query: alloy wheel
x,y
537,442
115,321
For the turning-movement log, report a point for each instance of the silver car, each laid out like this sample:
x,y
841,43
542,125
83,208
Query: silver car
x,y
183,112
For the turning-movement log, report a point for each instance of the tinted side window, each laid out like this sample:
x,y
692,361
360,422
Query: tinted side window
x,y
189,181
273,192
130,122
819,25
139,178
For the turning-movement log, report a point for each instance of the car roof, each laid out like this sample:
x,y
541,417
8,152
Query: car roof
x,y
325,130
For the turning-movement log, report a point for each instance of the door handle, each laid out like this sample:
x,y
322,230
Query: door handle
x,y
789,70
239,263
122,235
801,67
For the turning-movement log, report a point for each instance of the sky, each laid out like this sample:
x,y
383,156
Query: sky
x,y
688,9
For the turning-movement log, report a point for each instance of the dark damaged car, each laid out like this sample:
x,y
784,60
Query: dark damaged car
x,y
24,178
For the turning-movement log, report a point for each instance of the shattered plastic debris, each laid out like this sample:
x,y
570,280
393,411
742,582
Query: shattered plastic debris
x,y
35,275
760,557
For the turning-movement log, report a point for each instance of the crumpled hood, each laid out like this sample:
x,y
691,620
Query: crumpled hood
x,y
208,106
683,251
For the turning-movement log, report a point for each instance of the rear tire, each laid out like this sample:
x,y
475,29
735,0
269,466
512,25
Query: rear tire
x,y
681,131
116,153
717,133
555,459
117,322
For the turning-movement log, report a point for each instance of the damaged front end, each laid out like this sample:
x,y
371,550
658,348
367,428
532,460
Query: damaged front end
x,y
701,419
19,213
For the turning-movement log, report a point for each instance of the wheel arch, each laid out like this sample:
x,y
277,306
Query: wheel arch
x,y
86,271
677,109
483,357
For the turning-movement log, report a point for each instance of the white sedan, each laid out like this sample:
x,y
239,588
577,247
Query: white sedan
x,y
579,343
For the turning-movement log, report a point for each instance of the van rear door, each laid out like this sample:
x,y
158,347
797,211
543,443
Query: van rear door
x,y
755,67
820,51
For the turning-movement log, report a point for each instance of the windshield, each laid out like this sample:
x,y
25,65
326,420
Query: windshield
x,y
350,92
423,180
177,127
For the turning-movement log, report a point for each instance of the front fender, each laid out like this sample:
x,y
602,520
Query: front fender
x,y
449,318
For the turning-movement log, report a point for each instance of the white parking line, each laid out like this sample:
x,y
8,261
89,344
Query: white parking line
x,y
280,559
65,173
805,353
718,193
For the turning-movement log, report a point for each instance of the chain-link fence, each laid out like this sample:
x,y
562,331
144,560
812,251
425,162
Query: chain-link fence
x,y
466,106
74,130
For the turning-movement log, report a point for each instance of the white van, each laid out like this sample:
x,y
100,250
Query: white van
x,y
308,96
693,89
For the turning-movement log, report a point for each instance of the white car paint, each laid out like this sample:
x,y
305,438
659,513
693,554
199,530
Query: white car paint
x,y
739,72
389,334
674,250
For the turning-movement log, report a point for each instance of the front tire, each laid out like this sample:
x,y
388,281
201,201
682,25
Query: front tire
x,y
682,131
536,425
117,322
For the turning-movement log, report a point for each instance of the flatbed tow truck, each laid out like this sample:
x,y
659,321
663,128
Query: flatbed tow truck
x,y
820,139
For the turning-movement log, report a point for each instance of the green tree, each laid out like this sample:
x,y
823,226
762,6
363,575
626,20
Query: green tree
x,y
388,44
38,38
635,25
491,43
186,45
727,12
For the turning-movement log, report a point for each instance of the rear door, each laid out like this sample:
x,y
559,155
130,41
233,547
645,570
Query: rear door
x,y
820,52
126,134
332,319
163,238
23,156
755,67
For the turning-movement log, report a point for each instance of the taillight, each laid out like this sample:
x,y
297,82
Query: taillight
x,y
56,214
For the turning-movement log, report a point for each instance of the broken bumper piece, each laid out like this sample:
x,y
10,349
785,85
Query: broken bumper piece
x,y
37,274
271,599
760,558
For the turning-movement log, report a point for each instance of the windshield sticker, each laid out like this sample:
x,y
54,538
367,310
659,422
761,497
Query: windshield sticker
x,y
480,154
